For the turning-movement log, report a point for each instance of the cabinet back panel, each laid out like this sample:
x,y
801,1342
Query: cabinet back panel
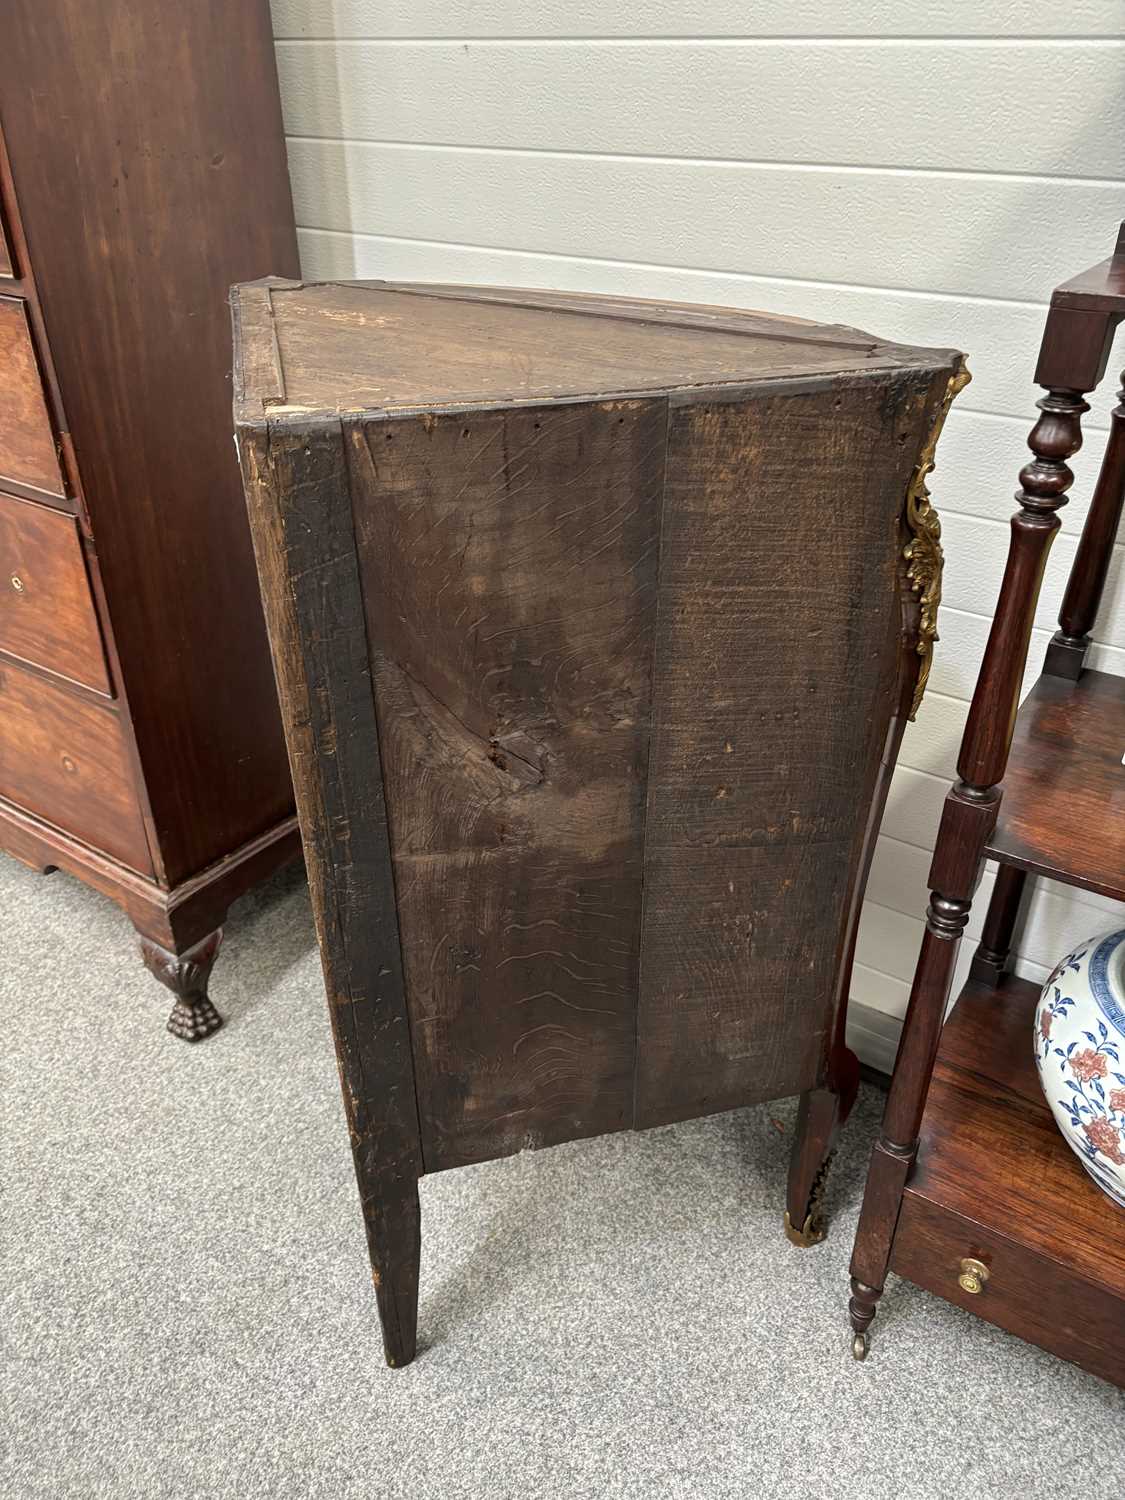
x,y
775,677
509,565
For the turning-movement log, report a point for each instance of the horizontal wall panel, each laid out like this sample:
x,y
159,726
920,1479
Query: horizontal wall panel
x,y
966,108
715,216
975,554
1002,339
663,18
961,648
900,881
980,456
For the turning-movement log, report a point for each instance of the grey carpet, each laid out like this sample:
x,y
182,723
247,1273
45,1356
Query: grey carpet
x,y
187,1309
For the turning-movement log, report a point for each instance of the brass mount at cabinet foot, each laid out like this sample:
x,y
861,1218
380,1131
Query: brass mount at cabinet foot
x,y
815,1228
860,1345
811,1232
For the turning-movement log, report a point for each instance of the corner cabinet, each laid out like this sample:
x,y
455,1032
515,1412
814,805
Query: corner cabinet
x,y
142,172
597,623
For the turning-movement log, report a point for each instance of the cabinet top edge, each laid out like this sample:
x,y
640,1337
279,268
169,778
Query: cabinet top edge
x,y
309,350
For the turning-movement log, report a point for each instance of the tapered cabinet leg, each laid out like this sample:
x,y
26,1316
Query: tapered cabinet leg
x,y
820,1115
394,1241
187,975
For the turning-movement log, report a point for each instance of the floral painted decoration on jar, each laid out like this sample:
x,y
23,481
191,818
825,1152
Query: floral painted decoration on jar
x,y
1079,1046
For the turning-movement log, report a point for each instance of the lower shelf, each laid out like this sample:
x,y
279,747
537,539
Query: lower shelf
x,y
996,1182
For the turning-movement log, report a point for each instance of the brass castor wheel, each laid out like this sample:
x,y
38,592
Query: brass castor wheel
x,y
860,1345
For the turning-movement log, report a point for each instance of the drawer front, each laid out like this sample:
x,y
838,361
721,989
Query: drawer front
x,y
1024,1292
47,613
27,443
65,759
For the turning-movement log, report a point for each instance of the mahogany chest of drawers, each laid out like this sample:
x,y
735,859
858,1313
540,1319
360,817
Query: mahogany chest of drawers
x,y
597,624
142,171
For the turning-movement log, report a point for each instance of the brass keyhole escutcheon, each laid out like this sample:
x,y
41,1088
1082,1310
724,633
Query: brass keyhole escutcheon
x,y
974,1274
17,583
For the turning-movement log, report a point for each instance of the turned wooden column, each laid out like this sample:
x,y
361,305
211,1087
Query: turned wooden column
x,y
967,821
1066,654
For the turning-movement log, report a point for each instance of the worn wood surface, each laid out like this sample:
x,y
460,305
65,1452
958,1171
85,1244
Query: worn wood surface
x,y
776,679
614,682
509,567
27,443
47,613
296,488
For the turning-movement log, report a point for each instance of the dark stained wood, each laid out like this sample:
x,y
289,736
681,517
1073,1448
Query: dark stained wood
x,y
508,563
1063,813
490,563
1100,289
160,183
990,961
997,1181
770,727
1068,742
187,975
65,758
27,444
47,613
1066,655
143,172
296,488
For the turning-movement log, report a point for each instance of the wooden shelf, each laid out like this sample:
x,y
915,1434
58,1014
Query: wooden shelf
x,y
996,1181
1063,812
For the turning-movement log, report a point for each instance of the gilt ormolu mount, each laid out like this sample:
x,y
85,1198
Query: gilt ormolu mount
x,y
596,625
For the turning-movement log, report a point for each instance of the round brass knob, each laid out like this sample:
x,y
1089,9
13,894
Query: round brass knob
x,y
974,1274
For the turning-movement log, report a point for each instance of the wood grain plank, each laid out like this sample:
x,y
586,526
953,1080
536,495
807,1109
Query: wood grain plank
x,y
775,677
509,566
296,488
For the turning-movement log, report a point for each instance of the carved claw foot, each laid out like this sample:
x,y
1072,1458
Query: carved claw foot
x,y
813,1228
186,975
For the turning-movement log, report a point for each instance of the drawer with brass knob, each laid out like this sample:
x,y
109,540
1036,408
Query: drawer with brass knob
x,y
973,1275
47,613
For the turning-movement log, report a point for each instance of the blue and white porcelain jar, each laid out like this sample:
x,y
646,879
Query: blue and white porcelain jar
x,y
1080,1051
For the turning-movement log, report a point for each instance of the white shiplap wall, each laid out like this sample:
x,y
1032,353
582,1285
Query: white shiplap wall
x,y
925,173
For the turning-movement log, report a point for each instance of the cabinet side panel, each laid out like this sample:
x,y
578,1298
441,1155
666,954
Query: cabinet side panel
x,y
777,658
509,564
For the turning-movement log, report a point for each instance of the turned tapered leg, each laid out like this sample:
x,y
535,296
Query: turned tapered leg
x,y
968,819
187,975
991,958
394,1242
820,1115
